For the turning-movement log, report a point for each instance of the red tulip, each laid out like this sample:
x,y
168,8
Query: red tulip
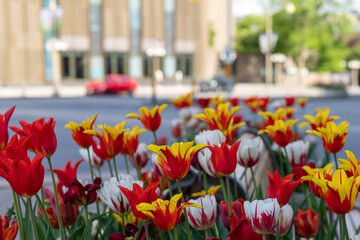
x,y
4,122
82,195
224,158
243,230
8,232
68,175
281,189
289,101
307,224
203,102
234,101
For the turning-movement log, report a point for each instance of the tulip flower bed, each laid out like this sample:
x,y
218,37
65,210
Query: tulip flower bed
x,y
300,198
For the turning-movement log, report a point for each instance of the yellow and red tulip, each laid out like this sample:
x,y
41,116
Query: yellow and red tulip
x,y
211,192
165,214
351,166
131,141
270,117
82,139
322,174
151,119
175,161
183,101
302,102
280,132
307,224
320,120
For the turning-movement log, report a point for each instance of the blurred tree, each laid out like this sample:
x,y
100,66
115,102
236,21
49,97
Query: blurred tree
x,y
315,36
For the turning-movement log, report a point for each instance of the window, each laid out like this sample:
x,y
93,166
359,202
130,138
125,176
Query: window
x,y
149,65
115,62
73,65
184,63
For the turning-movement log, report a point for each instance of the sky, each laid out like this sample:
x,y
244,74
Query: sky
x,y
245,7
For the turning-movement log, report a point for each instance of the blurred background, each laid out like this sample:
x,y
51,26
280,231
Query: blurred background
x,y
283,42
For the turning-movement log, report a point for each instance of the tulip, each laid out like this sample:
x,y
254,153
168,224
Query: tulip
x,y
289,112
113,197
297,152
131,140
68,175
183,101
204,159
111,138
205,217
231,130
307,224
333,136
289,101
203,102
318,173
234,101
281,189
285,219
299,172
224,158
165,214
270,117
141,156
263,215
41,134
302,102
95,160
224,214
7,231
100,151
137,195
249,151
176,129
151,120
263,103
82,139
320,120
25,176
4,122
175,161
243,230
340,192
280,132
210,137
237,213
211,191
217,101
82,195
252,103
351,166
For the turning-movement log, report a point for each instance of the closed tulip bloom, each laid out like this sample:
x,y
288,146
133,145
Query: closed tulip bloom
x,y
285,219
224,158
333,136
263,215
7,231
142,156
175,161
137,195
100,151
68,175
4,123
289,101
210,137
243,230
182,101
297,152
131,140
320,120
111,138
203,102
113,197
224,214
205,217
280,132
351,166
41,134
151,119
25,176
340,192
302,102
95,160
318,173
204,160
249,151
165,214
252,103
281,189
307,224
82,139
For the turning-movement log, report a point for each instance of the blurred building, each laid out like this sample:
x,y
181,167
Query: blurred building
x,y
192,32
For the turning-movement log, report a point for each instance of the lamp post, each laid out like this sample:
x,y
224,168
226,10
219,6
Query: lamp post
x,y
354,65
155,53
278,59
50,18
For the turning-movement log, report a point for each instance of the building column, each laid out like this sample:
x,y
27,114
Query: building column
x,y
169,59
96,60
135,58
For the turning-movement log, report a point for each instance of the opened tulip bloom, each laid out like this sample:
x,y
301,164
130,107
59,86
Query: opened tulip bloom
x,y
204,160
280,132
82,139
111,138
182,101
165,214
4,131
321,174
270,117
82,195
351,166
307,224
25,176
138,195
320,120
249,151
41,134
205,217
224,158
333,136
131,140
7,231
151,119
302,102
281,189
340,192
68,175
263,215
175,161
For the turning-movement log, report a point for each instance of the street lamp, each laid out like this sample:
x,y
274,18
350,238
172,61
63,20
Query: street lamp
x,y
354,65
270,39
50,18
155,53
278,59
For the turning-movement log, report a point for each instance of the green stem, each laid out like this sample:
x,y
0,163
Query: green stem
x,y
86,215
115,169
61,228
123,223
205,182
126,164
307,191
46,217
246,185
138,171
326,156
146,231
281,163
110,169
156,140
171,235
42,194
345,227
336,162
254,181
322,205
229,194
99,172
235,186
287,162
264,236
90,164
18,213
184,210
206,233
169,187
32,219
223,189
278,230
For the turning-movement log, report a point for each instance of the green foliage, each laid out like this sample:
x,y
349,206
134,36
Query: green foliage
x,y
316,33
212,35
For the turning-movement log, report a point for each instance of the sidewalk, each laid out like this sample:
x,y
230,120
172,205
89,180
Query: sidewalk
x,y
241,90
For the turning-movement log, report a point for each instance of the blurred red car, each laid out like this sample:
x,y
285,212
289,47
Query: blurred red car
x,y
113,84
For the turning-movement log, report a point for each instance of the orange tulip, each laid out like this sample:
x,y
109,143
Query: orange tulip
x,y
7,231
151,120
82,139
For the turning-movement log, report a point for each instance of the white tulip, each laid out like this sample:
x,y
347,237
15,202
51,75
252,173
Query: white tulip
x,y
202,218
249,151
210,137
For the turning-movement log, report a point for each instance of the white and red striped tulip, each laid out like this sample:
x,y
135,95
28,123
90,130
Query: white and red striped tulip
x,y
202,218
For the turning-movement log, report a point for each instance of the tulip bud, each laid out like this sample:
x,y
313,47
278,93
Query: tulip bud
x,y
249,151
210,137
307,224
202,218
